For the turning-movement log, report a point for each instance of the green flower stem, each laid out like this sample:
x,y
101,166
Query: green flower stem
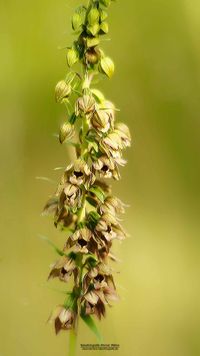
x,y
81,213
72,342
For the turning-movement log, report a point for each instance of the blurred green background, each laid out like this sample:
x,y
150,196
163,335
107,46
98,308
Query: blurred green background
x,y
155,45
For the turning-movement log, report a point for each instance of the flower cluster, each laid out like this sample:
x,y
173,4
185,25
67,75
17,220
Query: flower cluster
x,y
83,205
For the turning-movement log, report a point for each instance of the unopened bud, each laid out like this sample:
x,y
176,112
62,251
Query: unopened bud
x,y
72,57
85,105
66,132
92,55
76,22
94,29
106,3
104,27
62,91
107,66
78,18
103,15
92,41
93,17
101,121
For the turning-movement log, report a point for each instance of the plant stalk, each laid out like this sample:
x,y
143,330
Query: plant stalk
x,y
72,342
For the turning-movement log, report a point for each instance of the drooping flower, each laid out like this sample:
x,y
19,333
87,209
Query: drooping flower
x,y
112,205
106,167
72,195
80,240
63,268
110,228
63,318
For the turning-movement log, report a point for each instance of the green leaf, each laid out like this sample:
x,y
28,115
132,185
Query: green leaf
x,y
72,118
57,290
92,326
58,251
70,301
91,260
92,143
95,146
91,201
98,192
93,218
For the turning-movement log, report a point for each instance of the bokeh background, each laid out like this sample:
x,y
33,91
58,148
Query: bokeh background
x,y
155,45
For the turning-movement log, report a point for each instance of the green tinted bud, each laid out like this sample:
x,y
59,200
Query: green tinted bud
x,y
62,91
93,17
76,22
104,27
66,132
105,3
92,55
103,15
107,66
94,29
72,57
78,18
92,42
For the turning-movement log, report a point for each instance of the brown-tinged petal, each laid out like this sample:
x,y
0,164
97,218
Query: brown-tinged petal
x,y
91,297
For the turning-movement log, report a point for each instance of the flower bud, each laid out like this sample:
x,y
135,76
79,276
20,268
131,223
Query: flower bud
x,y
72,57
93,17
105,3
107,66
103,15
92,41
76,22
94,29
92,55
101,121
85,105
62,91
104,27
66,132
78,18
